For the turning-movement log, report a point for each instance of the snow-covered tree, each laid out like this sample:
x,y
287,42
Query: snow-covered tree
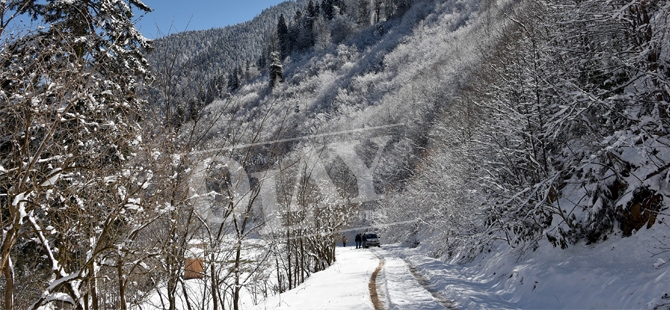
x,y
569,142
68,190
276,75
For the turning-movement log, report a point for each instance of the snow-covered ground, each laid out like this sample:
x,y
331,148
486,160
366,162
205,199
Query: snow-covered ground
x,y
344,285
620,273
399,284
616,274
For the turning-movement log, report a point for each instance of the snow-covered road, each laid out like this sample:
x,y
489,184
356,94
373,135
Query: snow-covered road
x,y
607,276
404,282
441,286
401,286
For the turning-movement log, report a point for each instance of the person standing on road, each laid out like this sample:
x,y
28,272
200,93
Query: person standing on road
x,y
358,240
365,241
344,241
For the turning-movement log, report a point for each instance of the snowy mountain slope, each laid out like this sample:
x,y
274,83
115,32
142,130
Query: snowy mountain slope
x,y
370,80
197,64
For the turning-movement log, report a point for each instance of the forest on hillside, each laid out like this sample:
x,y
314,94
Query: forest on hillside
x,y
240,155
559,134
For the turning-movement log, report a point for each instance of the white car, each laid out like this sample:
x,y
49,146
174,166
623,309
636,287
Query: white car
x,y
371,239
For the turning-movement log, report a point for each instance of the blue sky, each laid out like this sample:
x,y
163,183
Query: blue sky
x,y
171,16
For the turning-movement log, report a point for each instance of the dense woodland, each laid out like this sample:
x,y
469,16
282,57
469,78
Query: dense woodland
x,y
247,151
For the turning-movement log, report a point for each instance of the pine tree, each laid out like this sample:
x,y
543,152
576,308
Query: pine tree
x,y
341,5
312,9
297,32
403,5
363,13
283,37
276,75
240,76
327,6
262,61
247,71
312,15
234,80
378,10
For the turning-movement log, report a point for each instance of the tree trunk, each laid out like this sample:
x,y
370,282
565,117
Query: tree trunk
x,y
302,261
122,285
279,285
93,283
172,285
215,289
236,289
288,251
186,299
9,283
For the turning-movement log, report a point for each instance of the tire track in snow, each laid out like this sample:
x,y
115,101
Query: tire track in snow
x,y
425,283
413,273
372,286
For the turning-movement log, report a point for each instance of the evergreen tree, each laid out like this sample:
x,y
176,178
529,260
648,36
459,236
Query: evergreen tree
x,y
312,9
317,9
328,12
240,76
363,13
296,32
234,80
247,71
403,5
378,10
341,5
276,75
307,32
312,15
321,33
262,61
283,37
